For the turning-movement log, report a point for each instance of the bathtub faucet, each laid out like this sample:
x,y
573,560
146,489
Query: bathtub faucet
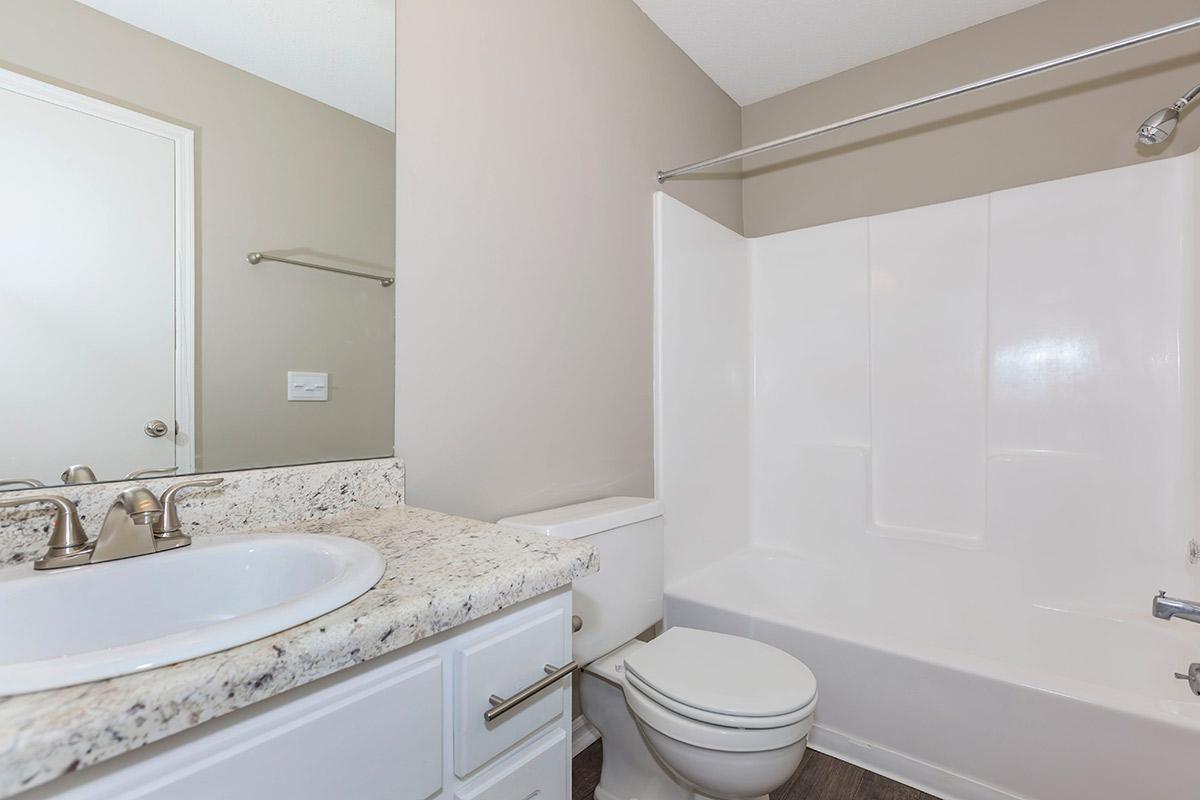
x,y
1166,607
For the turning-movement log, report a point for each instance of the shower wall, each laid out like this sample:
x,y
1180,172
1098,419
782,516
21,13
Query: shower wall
x,y
990,394
702,371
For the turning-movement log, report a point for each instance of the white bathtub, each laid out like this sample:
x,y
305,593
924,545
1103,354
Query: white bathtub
x,y
963,690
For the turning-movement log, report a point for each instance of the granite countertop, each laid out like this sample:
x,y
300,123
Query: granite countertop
x,y
442,571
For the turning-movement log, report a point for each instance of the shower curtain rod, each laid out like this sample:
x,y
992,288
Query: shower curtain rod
x,y
1111,47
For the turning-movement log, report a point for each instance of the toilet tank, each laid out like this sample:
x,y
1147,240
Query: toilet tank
x,y
625,597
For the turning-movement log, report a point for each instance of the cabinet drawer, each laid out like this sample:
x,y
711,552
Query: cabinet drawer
x,y
540,770
503,664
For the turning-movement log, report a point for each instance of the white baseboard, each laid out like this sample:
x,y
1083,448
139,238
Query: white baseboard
x,y
910,771
583,733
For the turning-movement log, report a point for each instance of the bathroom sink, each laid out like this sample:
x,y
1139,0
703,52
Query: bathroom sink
x,y
78,624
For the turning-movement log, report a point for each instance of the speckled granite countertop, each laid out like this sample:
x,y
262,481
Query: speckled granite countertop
x,y
442,571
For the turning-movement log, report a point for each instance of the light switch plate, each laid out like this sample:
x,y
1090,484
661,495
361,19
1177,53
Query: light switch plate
x,y
308,386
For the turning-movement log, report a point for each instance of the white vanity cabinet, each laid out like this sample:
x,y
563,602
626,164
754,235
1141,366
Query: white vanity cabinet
x,y
406,726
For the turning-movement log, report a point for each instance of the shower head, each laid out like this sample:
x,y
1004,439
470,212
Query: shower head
x,y
1161,124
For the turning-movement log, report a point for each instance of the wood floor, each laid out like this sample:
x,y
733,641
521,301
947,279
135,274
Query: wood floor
x,y
820,777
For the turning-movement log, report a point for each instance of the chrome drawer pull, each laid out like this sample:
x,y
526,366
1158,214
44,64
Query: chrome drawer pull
x,y
502,705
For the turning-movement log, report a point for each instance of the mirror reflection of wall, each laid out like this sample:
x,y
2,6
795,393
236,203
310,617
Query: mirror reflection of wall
x,y
146,149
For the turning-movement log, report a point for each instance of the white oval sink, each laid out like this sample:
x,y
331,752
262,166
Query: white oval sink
x,y
68,626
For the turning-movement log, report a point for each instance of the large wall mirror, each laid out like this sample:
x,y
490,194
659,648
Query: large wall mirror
x,y
147,149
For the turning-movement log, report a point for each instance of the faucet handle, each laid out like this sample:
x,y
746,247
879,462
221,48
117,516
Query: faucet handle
x,y
68,543
168,524
28,483
1192,677
150,472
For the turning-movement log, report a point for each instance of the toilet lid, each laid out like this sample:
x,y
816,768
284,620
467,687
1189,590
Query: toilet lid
x,y
724,674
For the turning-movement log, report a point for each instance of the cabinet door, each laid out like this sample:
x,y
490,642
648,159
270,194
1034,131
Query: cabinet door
x,y
541,770
377,734
511,658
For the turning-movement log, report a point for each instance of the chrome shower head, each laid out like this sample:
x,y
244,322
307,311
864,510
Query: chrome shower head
x,y
1161,124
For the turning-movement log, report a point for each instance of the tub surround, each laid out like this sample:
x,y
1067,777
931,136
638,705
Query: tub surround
x,y
997,391
442,571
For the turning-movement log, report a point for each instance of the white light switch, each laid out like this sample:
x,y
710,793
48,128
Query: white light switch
x,y
308,386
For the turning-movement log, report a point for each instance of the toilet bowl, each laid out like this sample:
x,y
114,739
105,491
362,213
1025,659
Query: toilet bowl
x,y
691,713
704,715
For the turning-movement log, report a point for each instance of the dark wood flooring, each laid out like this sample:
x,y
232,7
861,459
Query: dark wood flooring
x,y
820,777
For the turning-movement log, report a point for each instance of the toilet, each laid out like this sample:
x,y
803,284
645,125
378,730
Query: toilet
x,y
689,714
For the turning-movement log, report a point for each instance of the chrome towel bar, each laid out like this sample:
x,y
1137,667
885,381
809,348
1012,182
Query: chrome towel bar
x,y
256,257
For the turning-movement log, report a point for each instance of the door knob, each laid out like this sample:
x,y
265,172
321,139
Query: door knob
x,y
156,428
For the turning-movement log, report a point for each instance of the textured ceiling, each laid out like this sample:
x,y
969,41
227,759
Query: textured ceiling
x,y
755,49
340,52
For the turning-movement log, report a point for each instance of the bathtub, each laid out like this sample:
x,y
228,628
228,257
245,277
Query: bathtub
x,y
960,689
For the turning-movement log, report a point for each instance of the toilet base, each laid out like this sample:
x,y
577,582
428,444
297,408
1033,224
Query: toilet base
x,y
630,769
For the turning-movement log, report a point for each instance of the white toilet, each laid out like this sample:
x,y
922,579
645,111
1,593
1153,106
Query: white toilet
x,y
689,714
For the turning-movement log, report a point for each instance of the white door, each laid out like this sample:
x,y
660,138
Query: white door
x,y
88,264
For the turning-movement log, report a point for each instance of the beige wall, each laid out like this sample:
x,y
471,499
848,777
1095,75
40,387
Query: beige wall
x,y
528,137
275,171
1071,121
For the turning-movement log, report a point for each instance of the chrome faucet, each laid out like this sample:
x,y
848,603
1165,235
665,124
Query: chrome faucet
x,y
1165,607
128,528
137,523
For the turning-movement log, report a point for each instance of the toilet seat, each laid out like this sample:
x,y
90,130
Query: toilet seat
x,y
719,692
712,737
713,718
722,679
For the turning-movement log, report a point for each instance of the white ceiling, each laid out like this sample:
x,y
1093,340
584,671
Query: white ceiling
x,y
340,52
755,49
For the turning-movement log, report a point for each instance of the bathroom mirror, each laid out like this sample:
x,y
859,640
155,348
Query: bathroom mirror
x,y
146,151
